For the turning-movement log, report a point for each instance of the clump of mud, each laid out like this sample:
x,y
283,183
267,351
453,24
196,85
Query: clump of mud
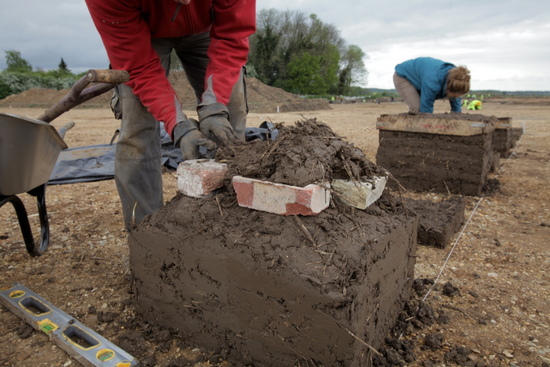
x,y
304,153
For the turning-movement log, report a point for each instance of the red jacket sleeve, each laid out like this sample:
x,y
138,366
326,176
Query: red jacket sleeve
x,y
127,40
234,22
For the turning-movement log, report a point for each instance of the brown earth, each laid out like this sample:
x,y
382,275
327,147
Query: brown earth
x,y
261,98
488,306
272,290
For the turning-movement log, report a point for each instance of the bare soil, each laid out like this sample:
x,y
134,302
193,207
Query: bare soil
x,y
485,296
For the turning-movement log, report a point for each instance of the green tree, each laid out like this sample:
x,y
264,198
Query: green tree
x,y
16,63
63,69
304,75
284,39
265,58
352,69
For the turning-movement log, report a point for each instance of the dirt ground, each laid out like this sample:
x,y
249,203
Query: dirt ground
x,y
487,291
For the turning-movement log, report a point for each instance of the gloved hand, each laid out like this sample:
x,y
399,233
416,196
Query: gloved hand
x,y
189,138
214,123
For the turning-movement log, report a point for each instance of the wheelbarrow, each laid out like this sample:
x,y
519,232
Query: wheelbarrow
x,y
29,149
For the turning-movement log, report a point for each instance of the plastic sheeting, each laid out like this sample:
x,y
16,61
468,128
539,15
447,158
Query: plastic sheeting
x,y
97,162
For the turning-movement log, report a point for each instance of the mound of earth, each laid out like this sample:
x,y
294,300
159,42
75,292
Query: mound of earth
x,y
261,97
307,152
273,290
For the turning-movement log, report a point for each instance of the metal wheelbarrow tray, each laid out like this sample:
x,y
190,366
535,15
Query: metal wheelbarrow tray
x,y
29,149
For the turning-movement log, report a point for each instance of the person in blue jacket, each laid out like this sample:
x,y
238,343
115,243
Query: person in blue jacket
x,y
422,80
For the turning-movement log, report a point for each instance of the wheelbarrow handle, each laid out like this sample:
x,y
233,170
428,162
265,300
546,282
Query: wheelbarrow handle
x,y
106,79
63,130
107,76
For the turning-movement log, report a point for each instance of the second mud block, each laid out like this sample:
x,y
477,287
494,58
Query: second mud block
x,y
282,291
447,153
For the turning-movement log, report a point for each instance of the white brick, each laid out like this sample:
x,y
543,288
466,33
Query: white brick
x,y
359,194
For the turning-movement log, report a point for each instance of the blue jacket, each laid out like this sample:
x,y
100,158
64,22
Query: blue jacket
x,y
429,77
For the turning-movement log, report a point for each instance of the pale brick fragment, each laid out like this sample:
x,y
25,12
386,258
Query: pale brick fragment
x,y
198,178
359,194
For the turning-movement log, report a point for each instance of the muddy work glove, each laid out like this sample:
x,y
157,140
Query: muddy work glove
x,y
214,123
191,141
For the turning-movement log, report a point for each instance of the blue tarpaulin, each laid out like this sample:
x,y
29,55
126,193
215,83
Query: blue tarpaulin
x,y
97,162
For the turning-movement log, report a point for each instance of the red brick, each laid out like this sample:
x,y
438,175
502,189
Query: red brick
x,y
199,177
280,199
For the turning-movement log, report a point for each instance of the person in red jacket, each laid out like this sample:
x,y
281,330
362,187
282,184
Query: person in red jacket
x,y
210,37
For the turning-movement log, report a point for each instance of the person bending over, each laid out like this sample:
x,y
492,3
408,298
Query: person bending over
x,y
422,80
210,37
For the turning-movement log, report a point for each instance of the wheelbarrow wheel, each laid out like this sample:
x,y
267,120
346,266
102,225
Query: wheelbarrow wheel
x,y
40,194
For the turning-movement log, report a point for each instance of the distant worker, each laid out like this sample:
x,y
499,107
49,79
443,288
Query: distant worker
x,y
465,102
422,80
475,105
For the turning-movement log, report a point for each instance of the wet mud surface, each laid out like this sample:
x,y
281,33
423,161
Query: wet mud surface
x,y
438,221
438,163
275,290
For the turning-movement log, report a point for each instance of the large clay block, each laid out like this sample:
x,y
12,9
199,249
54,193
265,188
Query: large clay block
x,y
315,290
199,177
438,221
502,136
437,162
495,164
517,132
280,199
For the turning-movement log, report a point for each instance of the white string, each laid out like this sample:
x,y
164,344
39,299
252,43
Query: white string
x,y
523,130
468,221
447,259
452,249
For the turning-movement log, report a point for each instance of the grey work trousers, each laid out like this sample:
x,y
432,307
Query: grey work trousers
x,y
138,171
408,92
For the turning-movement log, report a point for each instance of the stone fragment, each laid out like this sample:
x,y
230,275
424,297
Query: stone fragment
x,y
359,194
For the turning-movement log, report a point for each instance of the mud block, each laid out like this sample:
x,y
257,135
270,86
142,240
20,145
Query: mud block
x,y
438,221
434,161
517,132
280,199
495,164
199,177
280,292
502,136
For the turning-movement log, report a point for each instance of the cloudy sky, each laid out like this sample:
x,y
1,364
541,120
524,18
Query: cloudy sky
x,y
505,44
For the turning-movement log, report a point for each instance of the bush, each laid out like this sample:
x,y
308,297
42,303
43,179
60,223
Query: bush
x,y
17,82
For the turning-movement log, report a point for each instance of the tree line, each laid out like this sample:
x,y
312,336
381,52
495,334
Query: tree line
x,y
20,76
303,55
290,50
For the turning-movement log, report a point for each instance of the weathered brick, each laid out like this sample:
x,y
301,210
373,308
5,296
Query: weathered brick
x,y
359,194
199,177
280,199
